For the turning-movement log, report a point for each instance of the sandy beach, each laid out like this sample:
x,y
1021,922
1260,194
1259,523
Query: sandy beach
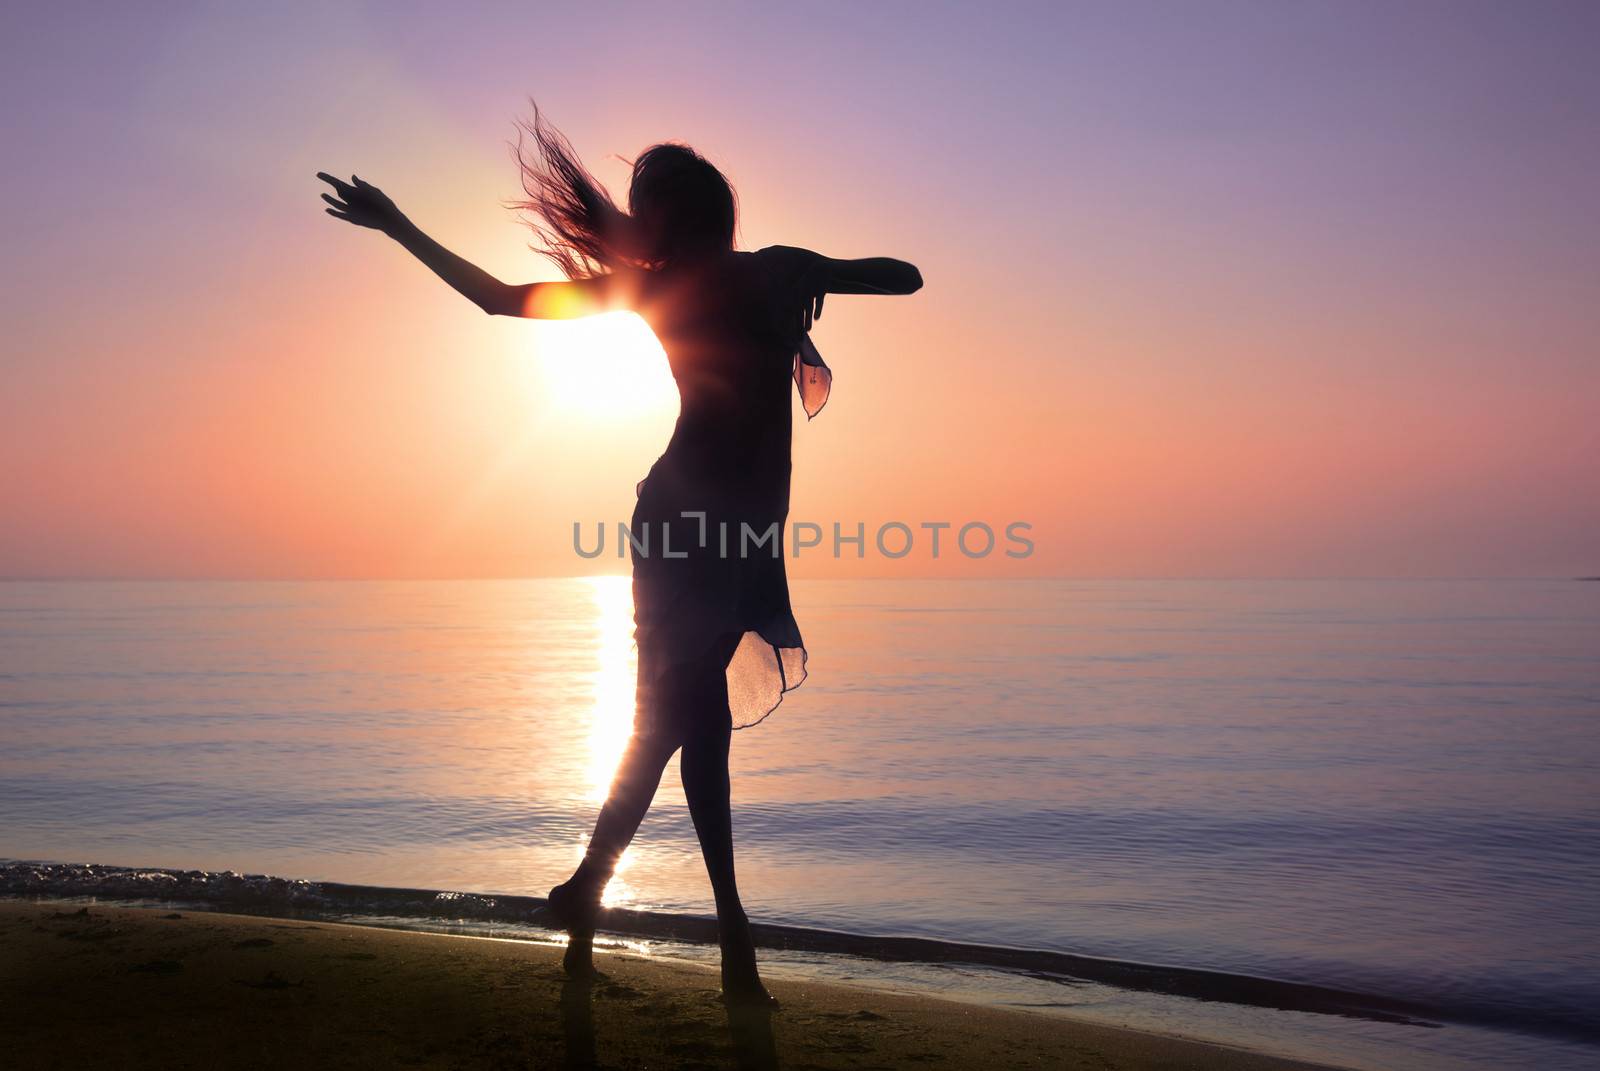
x,y
133,987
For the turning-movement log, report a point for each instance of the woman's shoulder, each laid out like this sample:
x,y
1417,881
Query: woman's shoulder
x,y
786,262
786,253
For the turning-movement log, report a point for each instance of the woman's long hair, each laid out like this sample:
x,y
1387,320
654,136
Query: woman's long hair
x,y
679,206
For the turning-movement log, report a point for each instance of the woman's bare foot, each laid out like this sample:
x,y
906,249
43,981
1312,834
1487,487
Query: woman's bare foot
x,y
741,981
578,960
574,907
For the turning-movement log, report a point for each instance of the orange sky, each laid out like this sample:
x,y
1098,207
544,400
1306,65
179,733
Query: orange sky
x,y
1286,294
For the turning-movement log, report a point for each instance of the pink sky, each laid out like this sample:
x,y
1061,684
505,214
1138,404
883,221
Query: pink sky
x,y
1250,292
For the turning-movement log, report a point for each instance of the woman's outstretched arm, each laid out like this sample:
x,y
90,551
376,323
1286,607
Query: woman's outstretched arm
x,y
821,276
870,275
364,205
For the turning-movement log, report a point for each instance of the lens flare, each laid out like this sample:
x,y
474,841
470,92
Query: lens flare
x,y
604,367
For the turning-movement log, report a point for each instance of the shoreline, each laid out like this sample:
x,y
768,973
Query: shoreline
x,y
158,987
259,892
1289,1021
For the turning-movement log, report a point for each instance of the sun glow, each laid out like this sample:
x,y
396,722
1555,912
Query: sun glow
x,y
609,366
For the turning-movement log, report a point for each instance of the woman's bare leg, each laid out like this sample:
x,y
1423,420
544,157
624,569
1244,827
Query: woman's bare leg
x,y
704,769
704,766
632,790
576,901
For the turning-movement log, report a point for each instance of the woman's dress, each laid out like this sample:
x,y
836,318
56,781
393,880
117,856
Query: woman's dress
x,y
707,532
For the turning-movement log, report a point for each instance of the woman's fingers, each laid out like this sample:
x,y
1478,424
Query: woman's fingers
x,y
355,206
811,310
344,188
346,191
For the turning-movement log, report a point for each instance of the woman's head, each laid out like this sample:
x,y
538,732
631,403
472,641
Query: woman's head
x,y
680,207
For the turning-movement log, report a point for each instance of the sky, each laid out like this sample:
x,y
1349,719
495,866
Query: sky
x,y
1212,289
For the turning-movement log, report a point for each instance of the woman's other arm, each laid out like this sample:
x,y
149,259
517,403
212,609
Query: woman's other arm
x,y
821,276
364,205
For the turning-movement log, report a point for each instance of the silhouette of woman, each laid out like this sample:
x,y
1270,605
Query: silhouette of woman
x,y
718,643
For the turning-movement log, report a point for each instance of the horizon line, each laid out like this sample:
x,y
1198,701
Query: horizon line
x,y
222,579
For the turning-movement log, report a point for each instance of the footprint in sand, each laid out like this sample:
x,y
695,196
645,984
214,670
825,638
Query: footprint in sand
x,y
616,991
255,942
862,1016
157,966
271,981
97,930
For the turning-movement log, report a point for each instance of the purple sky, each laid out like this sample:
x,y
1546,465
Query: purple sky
x,y
1213,289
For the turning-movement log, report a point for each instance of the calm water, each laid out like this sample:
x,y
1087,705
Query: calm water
x,y
1386,786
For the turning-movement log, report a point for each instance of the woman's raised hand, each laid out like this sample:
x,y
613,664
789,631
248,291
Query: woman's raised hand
x,y
361,203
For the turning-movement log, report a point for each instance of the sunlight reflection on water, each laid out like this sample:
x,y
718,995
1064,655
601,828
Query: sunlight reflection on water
x,y
616,662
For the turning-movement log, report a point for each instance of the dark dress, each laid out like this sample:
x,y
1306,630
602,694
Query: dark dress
x,y
708,530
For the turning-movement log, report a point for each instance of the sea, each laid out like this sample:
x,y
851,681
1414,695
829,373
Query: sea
x,y
1354,821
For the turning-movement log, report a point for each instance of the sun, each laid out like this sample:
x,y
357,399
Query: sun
x,y
602,368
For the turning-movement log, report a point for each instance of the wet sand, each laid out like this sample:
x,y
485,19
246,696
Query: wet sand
x,y
136,988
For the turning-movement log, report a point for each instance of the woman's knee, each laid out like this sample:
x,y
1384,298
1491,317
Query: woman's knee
x,y
656,733
688,698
